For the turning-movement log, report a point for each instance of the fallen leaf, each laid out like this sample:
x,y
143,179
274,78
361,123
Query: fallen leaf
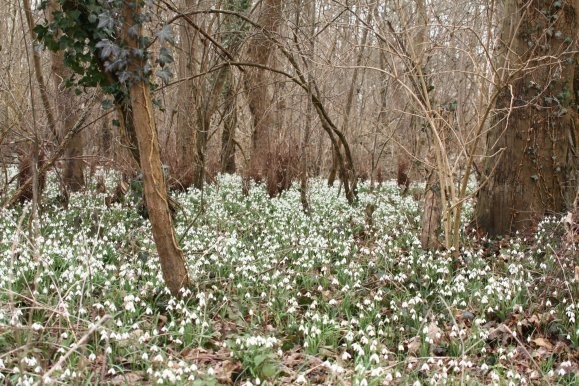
x,y
227,371
542,342
198,354
413,345
434,333
534,375
501,333
126,379
541,353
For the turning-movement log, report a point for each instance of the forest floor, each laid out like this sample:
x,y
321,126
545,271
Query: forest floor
x,y
280,297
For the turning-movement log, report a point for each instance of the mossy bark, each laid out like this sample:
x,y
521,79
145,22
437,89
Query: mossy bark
x,y
536,124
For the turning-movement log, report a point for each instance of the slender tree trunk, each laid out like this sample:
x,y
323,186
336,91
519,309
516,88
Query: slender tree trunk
x,y
229,126
186,91
346,126
258,92
537,124
38,72
310,16
432,214
172,261
73,162
201,138
235,34
127,128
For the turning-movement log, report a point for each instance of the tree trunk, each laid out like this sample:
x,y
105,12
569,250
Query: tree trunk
x,y
171,257
235,32
73,162
229,126
186,104
127,129
259,95
38,71
310,21
536,123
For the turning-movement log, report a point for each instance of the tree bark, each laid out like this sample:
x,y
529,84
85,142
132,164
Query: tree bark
x,y
234,35
259,95
186,91
536,121
229,126
171,257
38,71
73,162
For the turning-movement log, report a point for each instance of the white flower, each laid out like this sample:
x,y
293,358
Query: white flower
x,y
37,327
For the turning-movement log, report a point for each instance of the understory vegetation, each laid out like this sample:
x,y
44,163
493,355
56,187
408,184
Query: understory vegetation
x,y
342,295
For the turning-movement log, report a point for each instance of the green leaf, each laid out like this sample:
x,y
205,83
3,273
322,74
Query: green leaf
x,y
269,370
107,104
259,359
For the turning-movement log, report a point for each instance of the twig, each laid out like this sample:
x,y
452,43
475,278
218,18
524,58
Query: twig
x,y
73,348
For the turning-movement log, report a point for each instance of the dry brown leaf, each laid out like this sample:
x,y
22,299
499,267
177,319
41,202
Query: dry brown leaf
x,y
161,321
541,353
561,347
413,345
501,333
534,375
126,379
198,354
225,371
434,333
542,342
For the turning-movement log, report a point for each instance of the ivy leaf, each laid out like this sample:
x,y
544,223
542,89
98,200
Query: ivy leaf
x,y
133,31
166,35
165,56
105,21
40,31
147,69
138,52
123,76
165,74
107,48
107,104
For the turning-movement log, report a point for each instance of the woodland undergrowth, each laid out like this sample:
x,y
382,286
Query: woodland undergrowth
x,y
280,296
